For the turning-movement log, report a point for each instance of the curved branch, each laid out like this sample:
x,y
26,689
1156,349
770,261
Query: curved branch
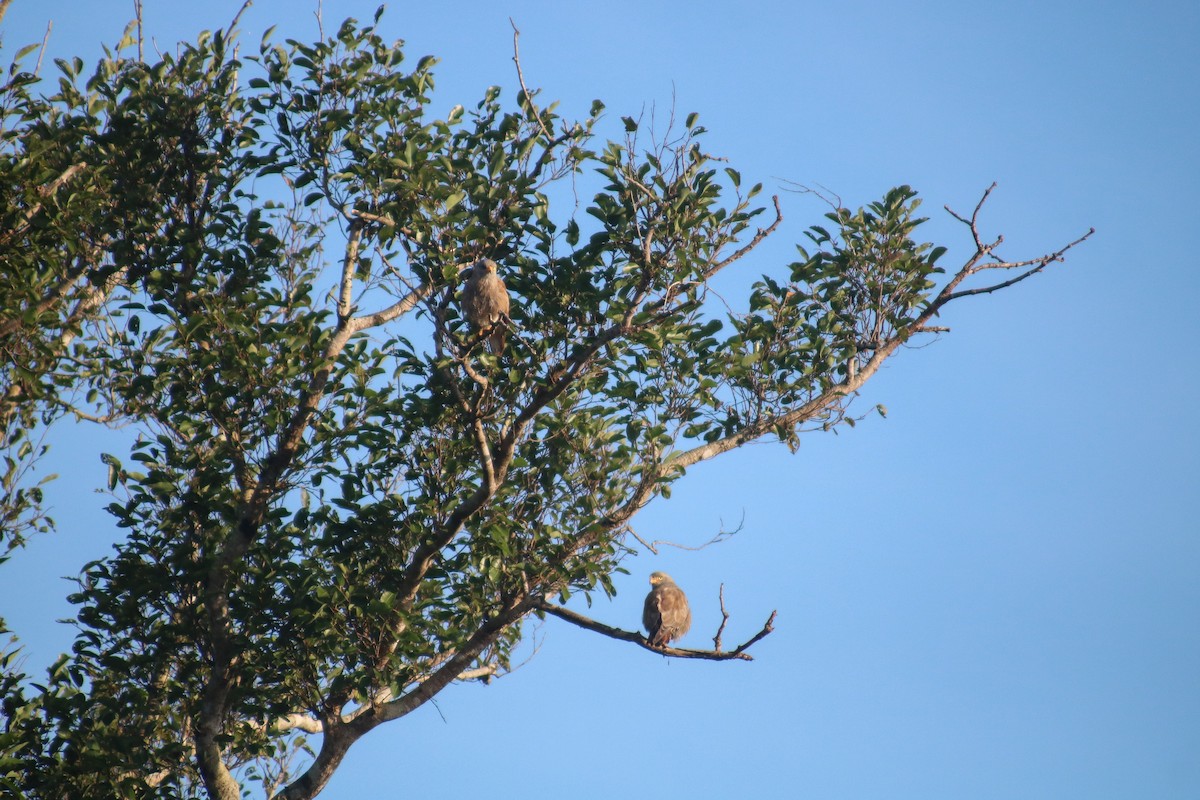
x,y
339,737
738,653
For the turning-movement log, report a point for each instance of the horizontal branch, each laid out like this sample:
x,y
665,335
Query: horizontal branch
x,y
303,722
738,653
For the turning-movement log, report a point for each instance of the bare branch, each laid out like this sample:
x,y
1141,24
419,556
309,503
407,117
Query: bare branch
x,y
394,311
233,23
37,70
1039,264
485,456
973,222
767,628
648,545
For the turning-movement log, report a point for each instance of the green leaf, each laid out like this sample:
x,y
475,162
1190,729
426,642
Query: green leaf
x,y
24,51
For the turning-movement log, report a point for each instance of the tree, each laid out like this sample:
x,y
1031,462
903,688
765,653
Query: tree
x,y
340,502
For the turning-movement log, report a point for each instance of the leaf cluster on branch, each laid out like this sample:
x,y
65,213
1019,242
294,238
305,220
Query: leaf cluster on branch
x,y
339,502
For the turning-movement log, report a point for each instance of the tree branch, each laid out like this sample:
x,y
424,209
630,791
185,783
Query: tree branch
x,y
310,724
761,234
43,192
788,419
217,777
345,294
738,653
1039,264
950,291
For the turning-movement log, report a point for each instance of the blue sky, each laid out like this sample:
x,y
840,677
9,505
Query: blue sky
x,y
994,592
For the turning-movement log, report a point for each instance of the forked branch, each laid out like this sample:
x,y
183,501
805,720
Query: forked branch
x,y
984,250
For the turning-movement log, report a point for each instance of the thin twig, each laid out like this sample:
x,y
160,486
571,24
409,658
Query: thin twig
x,y
236,17
521,78
648,545
767,629
973,224
42,51
718,537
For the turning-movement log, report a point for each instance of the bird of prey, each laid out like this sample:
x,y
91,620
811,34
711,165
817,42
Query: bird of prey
x,y
485,303
666,614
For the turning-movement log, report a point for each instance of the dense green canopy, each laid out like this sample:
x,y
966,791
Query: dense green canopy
x,y
339,501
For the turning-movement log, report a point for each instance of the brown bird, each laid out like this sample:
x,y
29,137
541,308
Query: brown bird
x,y
666,614
485,302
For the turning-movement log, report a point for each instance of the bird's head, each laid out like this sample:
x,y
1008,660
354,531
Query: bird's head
x,y
485,265
658,578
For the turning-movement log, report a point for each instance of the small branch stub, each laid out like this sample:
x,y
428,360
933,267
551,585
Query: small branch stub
x,y
724,619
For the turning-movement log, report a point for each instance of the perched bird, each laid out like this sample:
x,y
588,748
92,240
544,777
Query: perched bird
x,y
666,614
485,302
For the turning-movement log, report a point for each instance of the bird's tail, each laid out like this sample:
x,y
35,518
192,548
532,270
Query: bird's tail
x,y
496,340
